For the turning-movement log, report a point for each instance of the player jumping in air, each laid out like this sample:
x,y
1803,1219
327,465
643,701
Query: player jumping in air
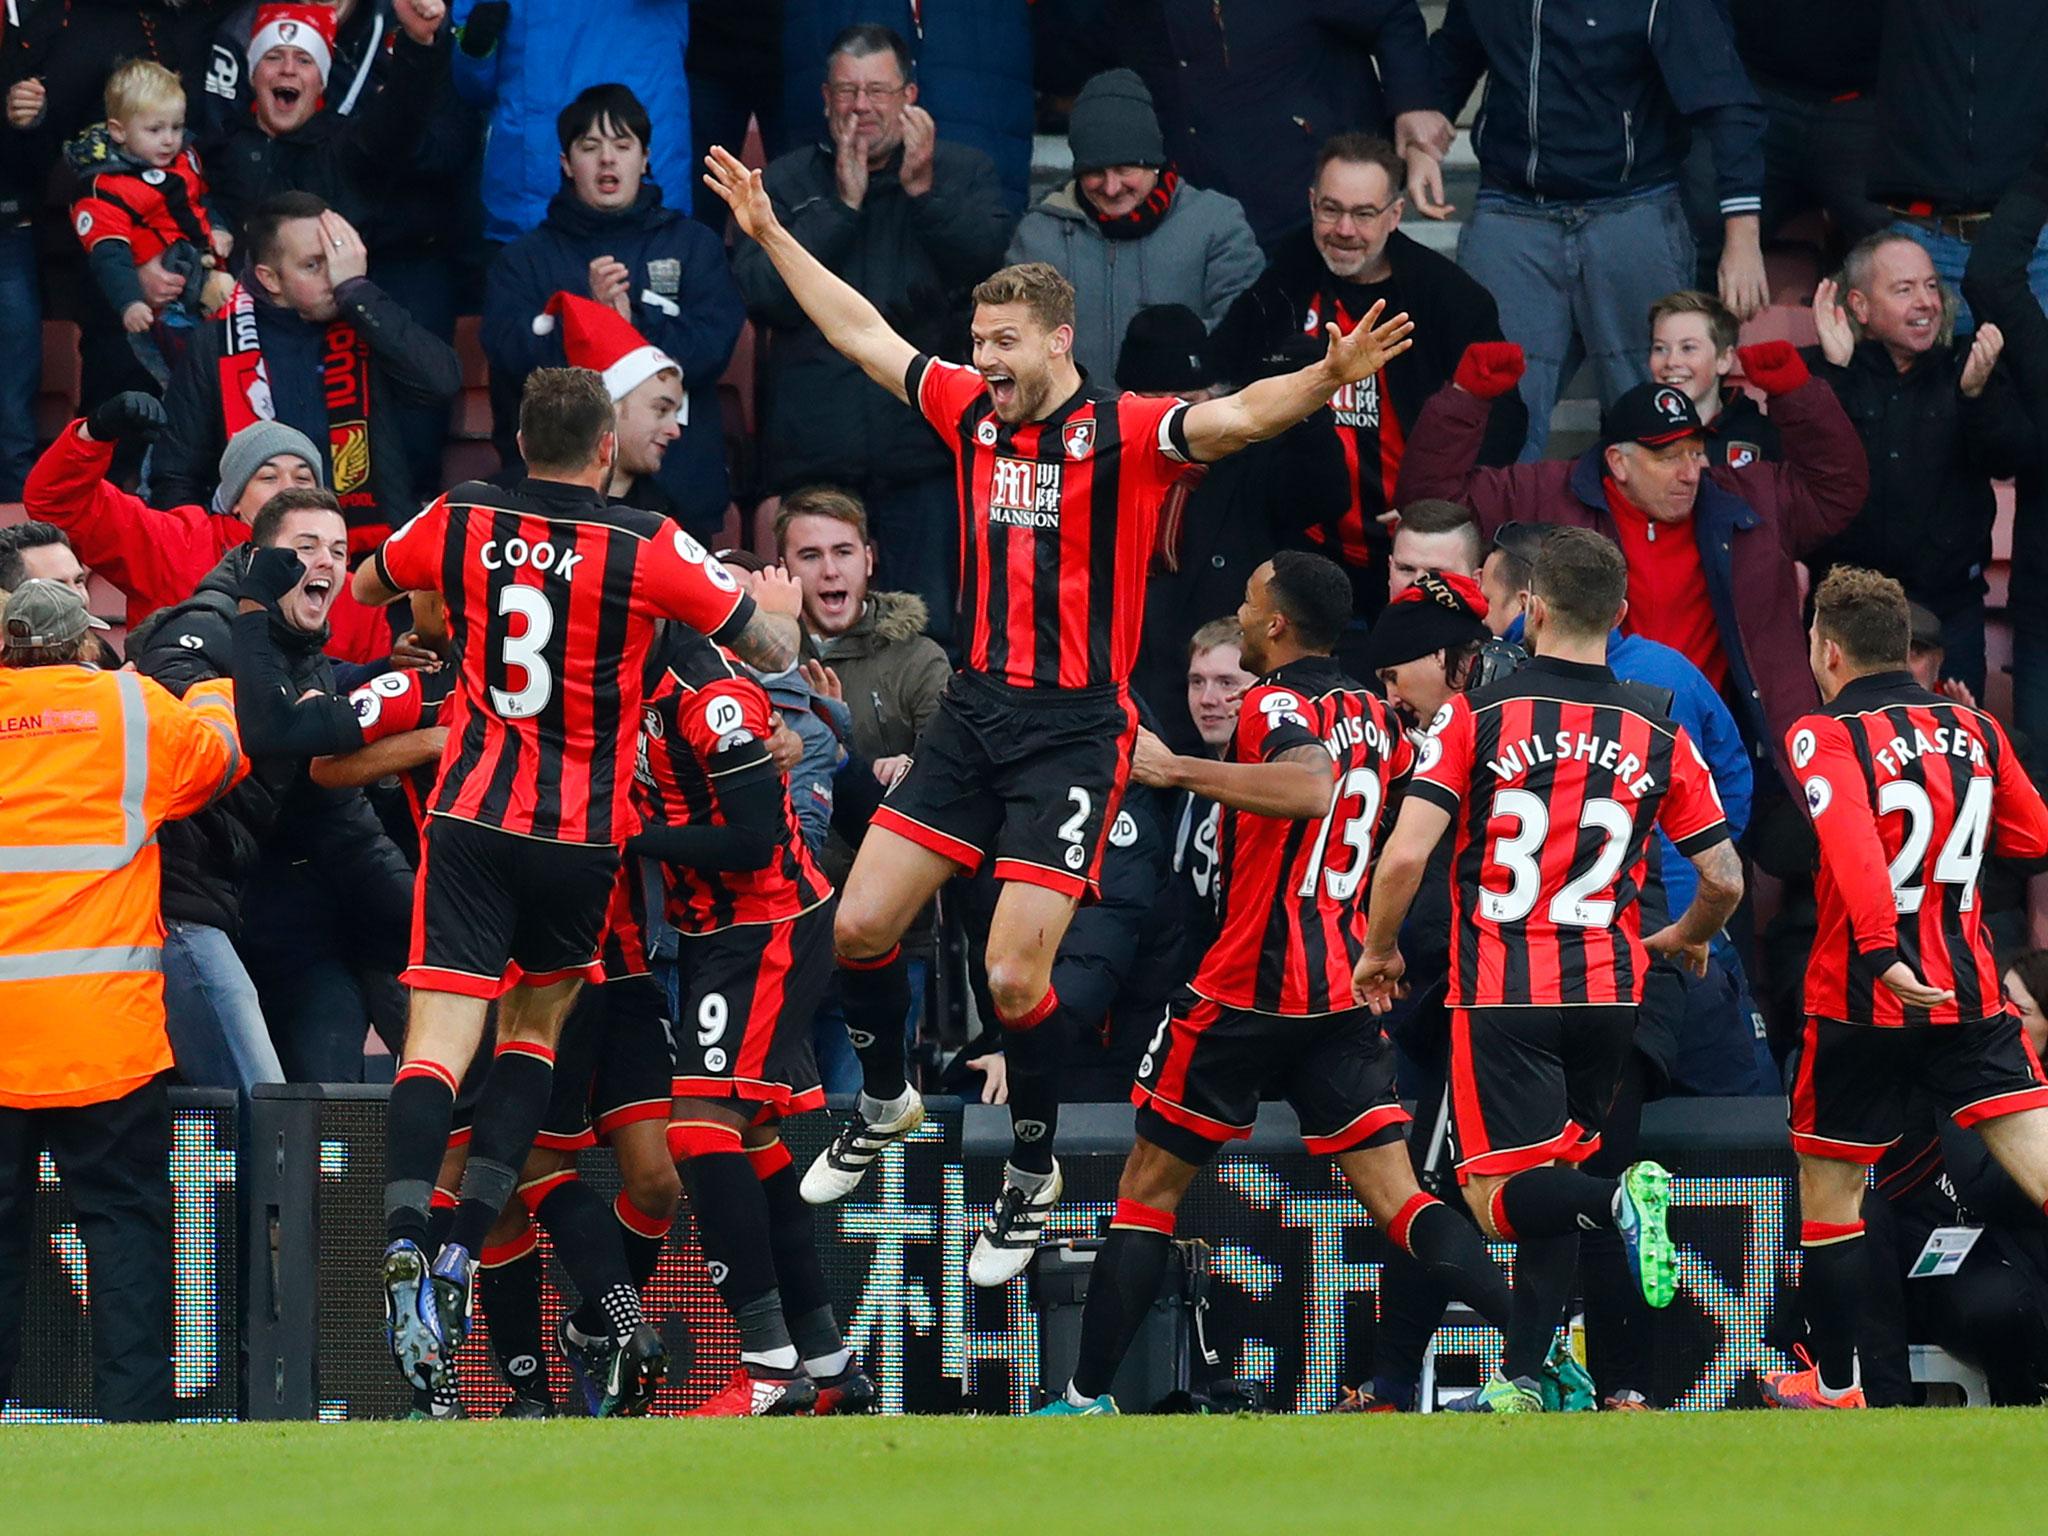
x,y
1553,777
1025,761
1306,788
552,599
1908,791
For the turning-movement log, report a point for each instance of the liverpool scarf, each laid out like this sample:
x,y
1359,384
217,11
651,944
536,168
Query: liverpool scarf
x,y
345,367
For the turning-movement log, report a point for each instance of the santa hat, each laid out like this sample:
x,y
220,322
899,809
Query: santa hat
x,y
595,336
309,28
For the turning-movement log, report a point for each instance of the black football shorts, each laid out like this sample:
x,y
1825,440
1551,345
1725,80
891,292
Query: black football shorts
x,y
612,1065
492,911
1532,1085
1202,1076
1033,776
743,999
1850,1082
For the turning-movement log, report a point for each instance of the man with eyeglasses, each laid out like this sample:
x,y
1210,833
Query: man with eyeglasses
x,y
1351,254
913,223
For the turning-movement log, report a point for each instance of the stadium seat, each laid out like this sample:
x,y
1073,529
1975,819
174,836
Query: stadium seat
x,y
1783,322
1793,271
763,541
467,460
57,400
739,378
469,346
11,513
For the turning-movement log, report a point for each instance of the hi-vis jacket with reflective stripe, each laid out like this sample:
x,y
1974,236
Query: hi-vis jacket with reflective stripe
x,y
91,764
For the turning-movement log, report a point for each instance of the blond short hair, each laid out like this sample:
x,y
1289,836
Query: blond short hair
x,y
137,86
1037,285
1216,632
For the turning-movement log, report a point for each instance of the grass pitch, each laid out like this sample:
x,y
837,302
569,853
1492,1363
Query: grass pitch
x,y
1977,1471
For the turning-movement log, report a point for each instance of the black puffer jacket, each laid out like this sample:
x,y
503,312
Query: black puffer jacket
x,y
208,857
1933,455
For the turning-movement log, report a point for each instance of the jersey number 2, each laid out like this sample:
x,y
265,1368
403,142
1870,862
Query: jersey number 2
x,y
524,652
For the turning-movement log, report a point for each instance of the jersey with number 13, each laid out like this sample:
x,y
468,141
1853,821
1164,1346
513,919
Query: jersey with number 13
x,y
1554,778
553,595
1291,894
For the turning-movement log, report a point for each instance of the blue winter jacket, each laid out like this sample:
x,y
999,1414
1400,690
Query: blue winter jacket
x,y
1588,99
549,52
684,301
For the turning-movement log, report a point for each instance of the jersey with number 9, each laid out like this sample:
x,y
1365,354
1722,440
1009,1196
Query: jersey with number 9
x,y
1291,894
553,595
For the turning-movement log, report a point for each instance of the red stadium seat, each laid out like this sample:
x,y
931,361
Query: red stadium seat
x,y
763,541
476,369
462,461
11,513
57,400
1782,322
2001,529
739,378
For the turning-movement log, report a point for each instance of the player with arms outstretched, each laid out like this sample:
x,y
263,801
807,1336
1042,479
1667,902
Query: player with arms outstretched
x,y
1909,792
1306,789
1554,778
552,598
1025,762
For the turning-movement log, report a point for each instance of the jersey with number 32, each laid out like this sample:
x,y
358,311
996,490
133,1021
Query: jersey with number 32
x,y
1554,778
1291,894
552,595
1908,792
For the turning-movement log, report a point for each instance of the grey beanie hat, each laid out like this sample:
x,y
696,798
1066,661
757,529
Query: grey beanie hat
x,y
1113,123
253,447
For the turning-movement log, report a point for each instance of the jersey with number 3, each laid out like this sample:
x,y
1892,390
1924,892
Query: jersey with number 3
x,y
1908,792
1554,779
707,724
553,595
1291,894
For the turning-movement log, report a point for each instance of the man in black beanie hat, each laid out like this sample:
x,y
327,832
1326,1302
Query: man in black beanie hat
x,y
1128,232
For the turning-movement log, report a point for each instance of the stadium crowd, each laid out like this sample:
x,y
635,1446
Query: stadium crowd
x,y
275,277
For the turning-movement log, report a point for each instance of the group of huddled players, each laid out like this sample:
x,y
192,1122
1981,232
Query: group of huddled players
x,y
610,858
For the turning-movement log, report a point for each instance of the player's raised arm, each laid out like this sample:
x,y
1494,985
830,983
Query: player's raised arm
x,y
1295,785
1396,877
853,325
1217,428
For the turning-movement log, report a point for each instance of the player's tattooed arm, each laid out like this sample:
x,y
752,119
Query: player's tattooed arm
x,y
1295,785
1720,891
773,634
845,318
1217,428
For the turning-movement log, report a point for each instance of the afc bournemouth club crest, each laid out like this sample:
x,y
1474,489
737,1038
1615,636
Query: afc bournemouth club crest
x,y
1671,405
1079,439
1742,455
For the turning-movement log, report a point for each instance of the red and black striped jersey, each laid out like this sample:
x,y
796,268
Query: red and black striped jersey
x,y
392,703
1292,894
1908,792
1370,436
1057,522
149,210
1554,779
553,595
706,727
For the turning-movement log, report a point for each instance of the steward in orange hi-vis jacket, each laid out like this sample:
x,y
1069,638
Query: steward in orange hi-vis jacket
x,y
92,763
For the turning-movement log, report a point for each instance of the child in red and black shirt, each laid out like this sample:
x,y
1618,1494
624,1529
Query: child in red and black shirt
x,y
145,200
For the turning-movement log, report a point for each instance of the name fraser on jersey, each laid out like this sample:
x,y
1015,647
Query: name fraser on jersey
x,y
1896,753
1521,756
